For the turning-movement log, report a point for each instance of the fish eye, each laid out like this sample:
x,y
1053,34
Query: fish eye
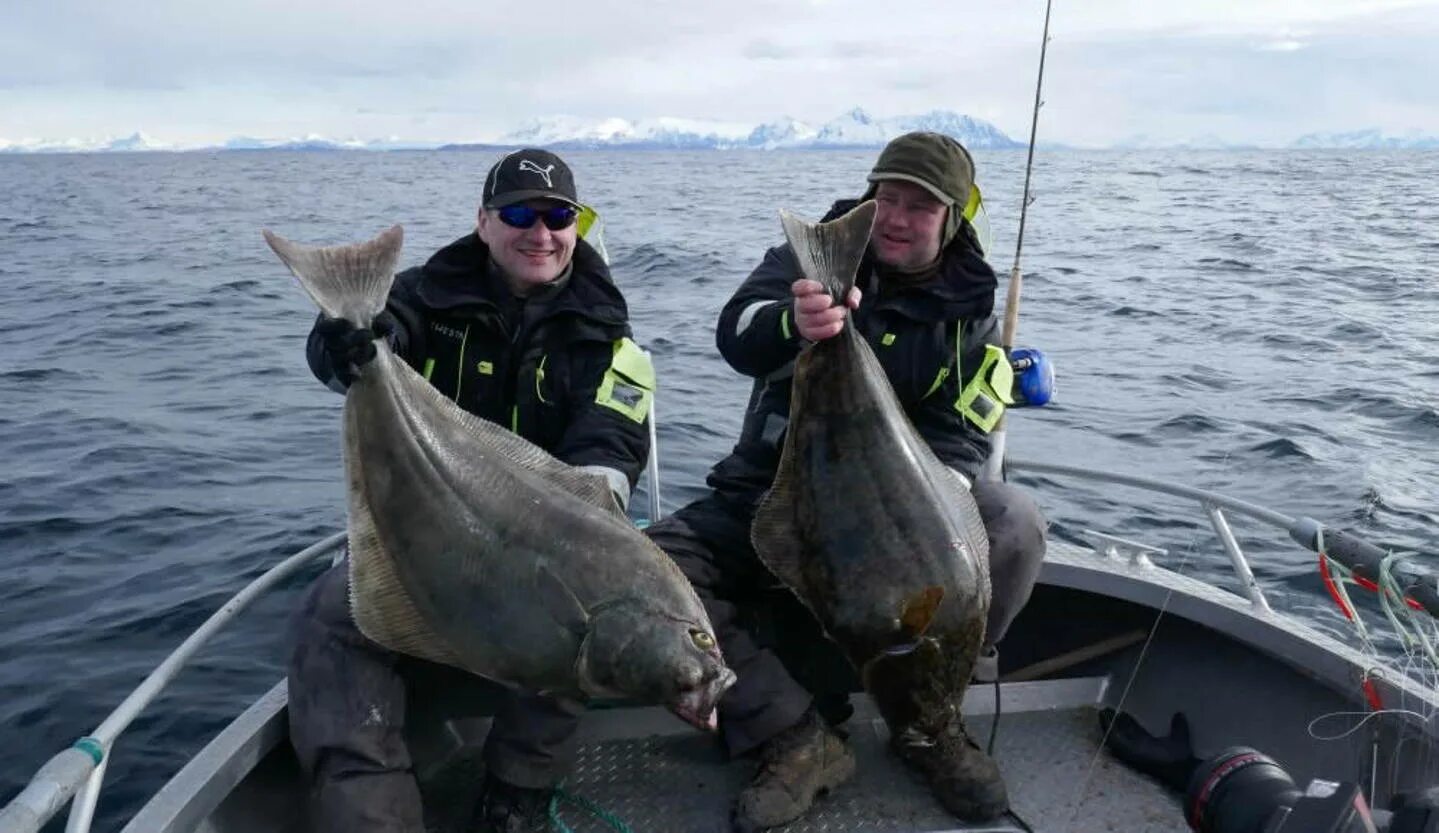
x,y
702,640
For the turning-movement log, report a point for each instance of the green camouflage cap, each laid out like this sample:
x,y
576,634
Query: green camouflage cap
x,y
933,161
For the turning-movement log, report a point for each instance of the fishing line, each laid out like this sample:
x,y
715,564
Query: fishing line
x,y
1129,684
1365,717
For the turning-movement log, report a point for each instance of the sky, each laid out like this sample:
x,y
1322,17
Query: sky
x,y
1259,71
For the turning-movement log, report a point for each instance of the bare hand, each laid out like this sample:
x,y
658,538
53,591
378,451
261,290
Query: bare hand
x,y
816,315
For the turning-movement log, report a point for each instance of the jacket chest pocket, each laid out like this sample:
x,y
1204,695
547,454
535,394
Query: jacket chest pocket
x,y
918,359
467,364
537,408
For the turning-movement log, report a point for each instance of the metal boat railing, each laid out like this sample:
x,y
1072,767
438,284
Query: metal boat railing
x,y
79,771
1363,558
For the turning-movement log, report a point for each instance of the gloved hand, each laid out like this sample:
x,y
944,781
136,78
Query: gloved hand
x,y
349,347
1033,377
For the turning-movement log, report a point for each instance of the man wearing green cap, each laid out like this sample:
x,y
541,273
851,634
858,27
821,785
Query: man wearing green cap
x,y
924,300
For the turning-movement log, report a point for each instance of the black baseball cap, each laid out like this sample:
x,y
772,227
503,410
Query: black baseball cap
x,y
529,174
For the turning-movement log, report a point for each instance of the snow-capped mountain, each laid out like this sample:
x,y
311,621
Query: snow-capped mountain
x,y
662,132
133,143
854,129
783,132
1371,139
858,128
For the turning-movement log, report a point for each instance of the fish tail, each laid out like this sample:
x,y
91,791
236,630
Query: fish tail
x,y
830,252
349,282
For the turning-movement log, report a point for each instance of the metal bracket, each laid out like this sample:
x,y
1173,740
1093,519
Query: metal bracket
x,y
1112,546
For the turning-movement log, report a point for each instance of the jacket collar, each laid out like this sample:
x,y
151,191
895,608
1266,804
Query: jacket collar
x,y
461,275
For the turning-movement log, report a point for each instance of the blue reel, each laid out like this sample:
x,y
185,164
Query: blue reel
x,y
1033,377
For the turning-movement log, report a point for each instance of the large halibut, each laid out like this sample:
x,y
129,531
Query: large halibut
x,y
473,547
871,531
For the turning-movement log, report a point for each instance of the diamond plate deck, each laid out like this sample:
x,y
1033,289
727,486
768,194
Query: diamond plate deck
x,y
680,782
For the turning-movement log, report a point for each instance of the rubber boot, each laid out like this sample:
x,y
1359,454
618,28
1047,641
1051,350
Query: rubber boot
x,y
506,808
964,779
796,766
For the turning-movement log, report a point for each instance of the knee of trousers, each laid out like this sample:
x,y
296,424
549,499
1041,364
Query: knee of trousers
x,y
1016,528
1014,522
690,549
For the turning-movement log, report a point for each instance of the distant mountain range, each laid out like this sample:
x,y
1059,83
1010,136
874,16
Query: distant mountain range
x,y
1367,139
853,129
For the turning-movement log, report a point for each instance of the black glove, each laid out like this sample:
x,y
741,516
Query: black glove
x,y
348,347
1170,758
1416,812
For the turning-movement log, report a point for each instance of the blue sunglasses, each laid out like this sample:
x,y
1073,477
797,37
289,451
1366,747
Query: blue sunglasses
x,y
524,216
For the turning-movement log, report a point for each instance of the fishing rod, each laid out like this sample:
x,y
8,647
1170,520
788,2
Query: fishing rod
x,y
994,466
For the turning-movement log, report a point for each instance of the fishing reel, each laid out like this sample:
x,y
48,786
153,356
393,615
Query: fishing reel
x,y
1242,790
1033,377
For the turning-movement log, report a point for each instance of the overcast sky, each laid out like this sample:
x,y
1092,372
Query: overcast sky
x,y
185,72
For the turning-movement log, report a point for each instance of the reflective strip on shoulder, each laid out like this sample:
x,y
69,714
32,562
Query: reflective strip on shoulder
x,y
983,400
629,382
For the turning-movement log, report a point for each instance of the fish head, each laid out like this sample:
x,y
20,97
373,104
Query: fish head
x,y
635,651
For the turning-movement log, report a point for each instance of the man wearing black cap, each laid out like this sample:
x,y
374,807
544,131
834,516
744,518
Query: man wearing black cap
x,y
520,324
924,300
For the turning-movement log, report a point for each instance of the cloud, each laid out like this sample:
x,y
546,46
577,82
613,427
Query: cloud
x,y
763,49
1281,46
466,71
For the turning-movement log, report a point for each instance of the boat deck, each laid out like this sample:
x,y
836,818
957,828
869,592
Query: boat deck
x,y
656,774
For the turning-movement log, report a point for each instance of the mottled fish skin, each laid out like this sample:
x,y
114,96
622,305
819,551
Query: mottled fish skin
x,y
869,528
473,547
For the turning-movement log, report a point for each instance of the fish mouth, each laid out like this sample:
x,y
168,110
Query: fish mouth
x,y
696,706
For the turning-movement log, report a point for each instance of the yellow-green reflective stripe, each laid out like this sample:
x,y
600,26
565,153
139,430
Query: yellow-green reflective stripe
x,y
460,371
631,362
958,361
587,218
887,339
629,382
784,323
971,206
429,368
540,379
515,418
983,400
938,380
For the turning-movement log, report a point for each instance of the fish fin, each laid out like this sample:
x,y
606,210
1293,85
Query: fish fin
x,y
560,601
349,282
919,611
379,603
774,533
830,252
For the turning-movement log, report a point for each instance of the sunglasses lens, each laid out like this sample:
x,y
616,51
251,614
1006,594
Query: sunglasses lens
x,y
518,216
560,217
523,216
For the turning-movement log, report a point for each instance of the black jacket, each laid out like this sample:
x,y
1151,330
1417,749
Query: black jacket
x,y
533,365
916,332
